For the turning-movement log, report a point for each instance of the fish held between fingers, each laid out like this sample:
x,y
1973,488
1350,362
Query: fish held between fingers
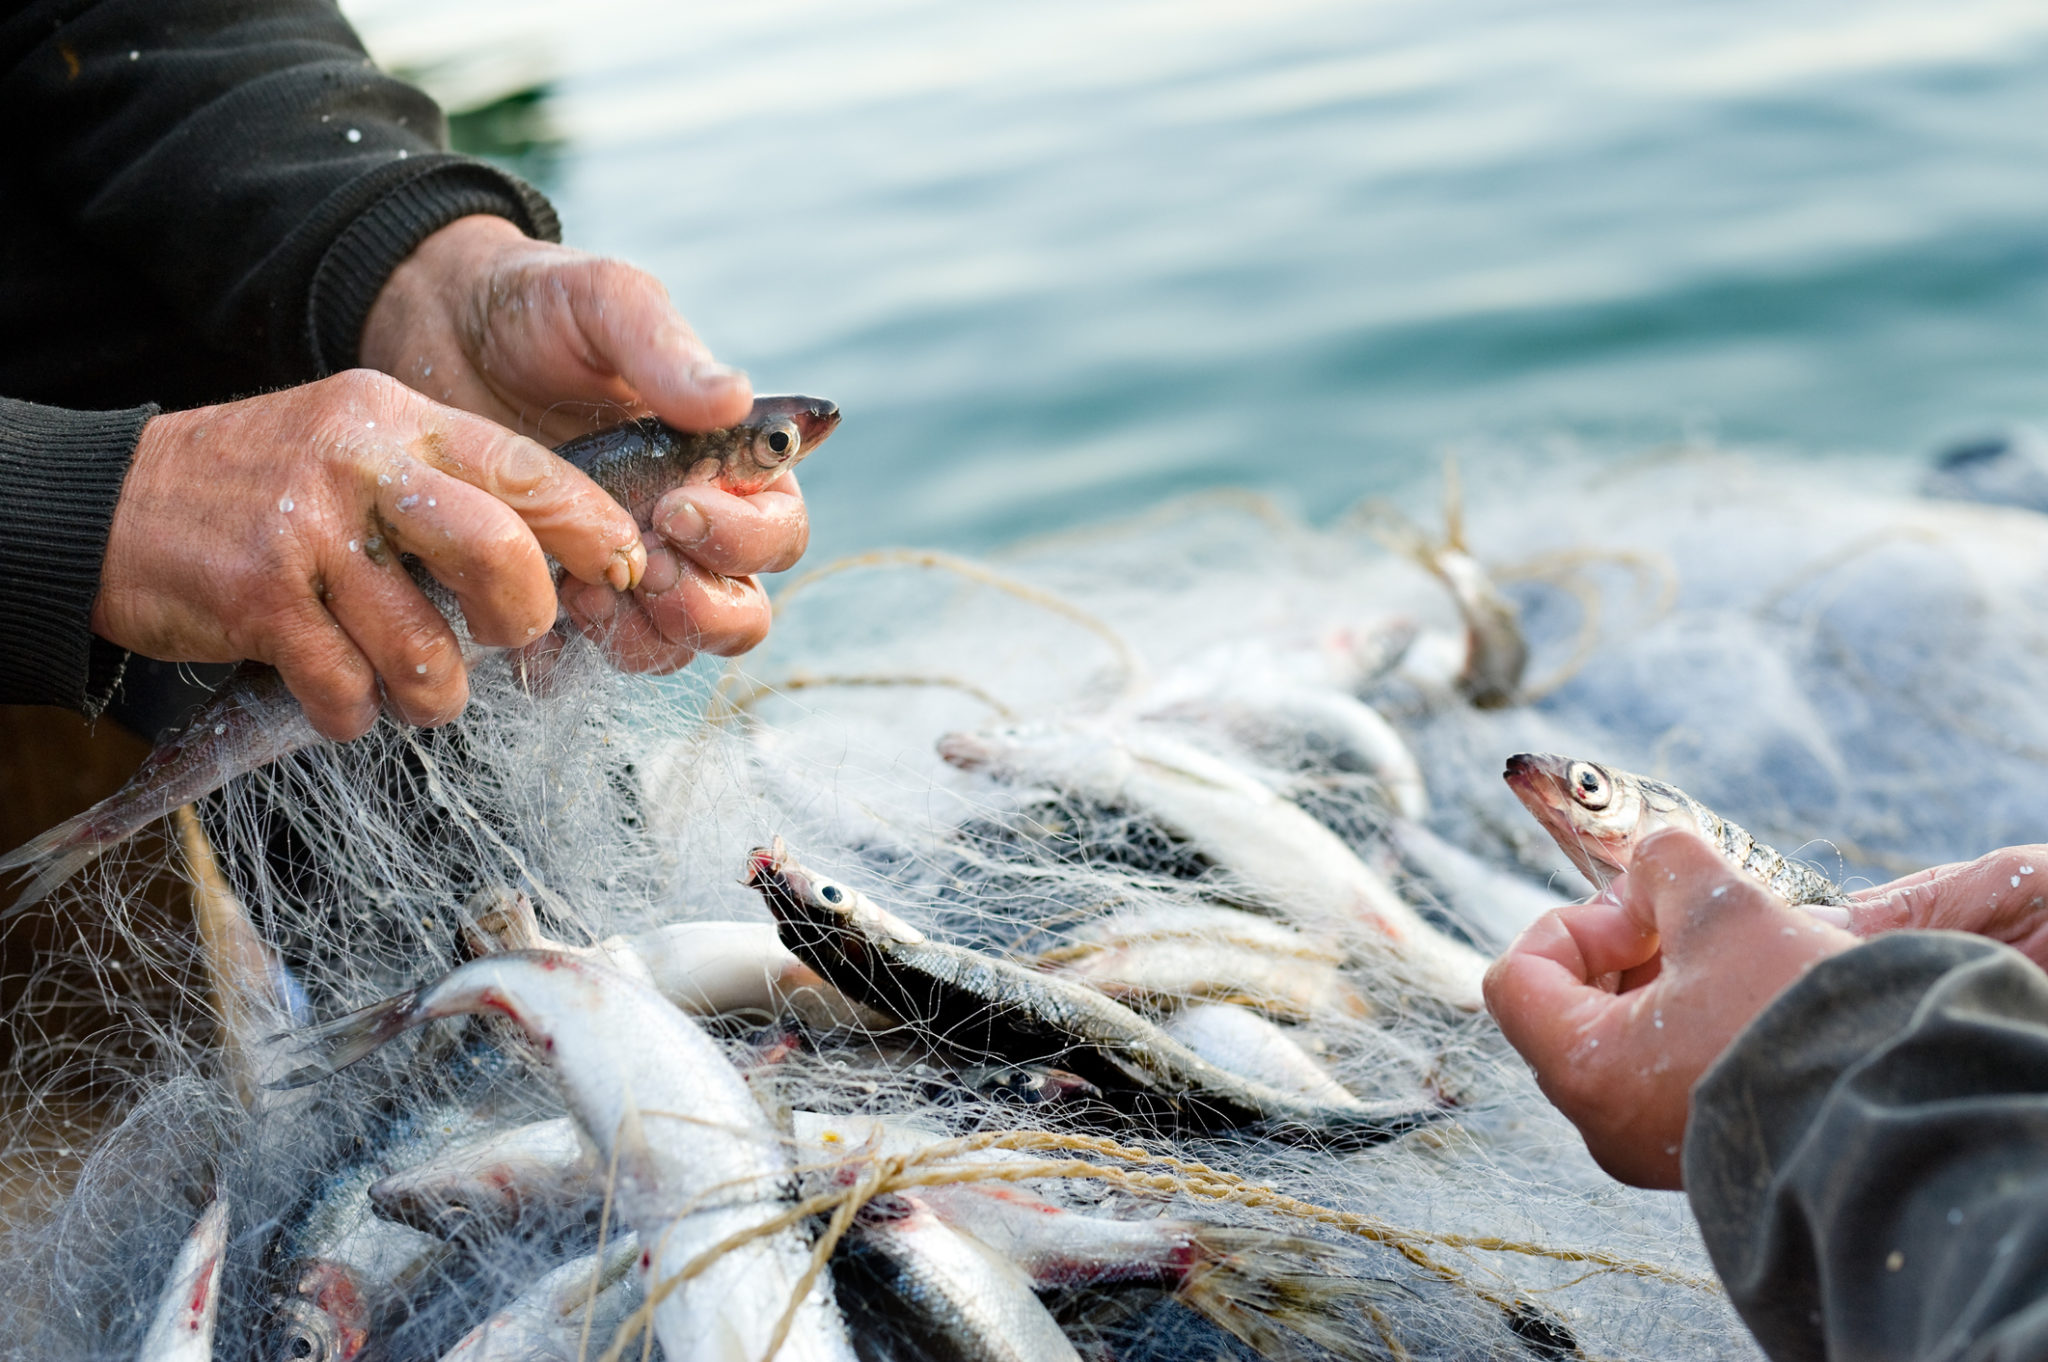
x,y
1599,815
254,719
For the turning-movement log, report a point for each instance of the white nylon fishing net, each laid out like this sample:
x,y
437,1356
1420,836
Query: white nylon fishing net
x,y
1843,671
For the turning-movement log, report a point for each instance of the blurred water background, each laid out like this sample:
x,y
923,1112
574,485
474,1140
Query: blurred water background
x,y
1060,260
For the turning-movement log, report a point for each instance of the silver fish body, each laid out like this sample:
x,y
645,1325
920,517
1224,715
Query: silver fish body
x,y
492,1181
708,969
697,1161
995,1007
1284,859
1240,1040
1599,815
947,1293
188,1305
254,719
568,1315
1163,957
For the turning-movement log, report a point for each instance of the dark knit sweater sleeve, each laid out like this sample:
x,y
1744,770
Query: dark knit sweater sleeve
x,y
60,475
246,161
1869,1160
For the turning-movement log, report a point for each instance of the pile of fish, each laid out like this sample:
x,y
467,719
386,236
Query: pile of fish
x,y
838,1016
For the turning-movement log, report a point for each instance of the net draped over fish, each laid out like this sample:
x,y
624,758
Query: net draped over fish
x,y
1844,671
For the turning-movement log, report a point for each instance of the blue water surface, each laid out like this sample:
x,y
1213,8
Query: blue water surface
x,y
1060,260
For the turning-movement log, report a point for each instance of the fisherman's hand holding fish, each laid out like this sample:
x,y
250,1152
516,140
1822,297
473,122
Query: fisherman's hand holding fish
x,y
541,337
1619,1004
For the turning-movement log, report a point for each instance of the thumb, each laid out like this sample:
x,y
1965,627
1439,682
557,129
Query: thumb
x,y
1716,921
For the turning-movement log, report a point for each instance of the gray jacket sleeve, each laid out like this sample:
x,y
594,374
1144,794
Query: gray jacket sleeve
x,y
1869,1160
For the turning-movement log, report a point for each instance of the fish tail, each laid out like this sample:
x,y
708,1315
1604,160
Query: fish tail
x,y
1276,1294
54,857
343,1041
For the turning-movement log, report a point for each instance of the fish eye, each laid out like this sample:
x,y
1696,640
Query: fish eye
x,y
1589,785
779,443
831,893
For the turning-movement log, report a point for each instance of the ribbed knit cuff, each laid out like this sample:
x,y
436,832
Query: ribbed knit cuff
x,y
361,259
60,475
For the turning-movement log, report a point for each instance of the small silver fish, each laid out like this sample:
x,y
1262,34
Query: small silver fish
x,y
696,1157
1496,652
254,720
1161,958
182,1328
708,969
1271,1290
1003,1010
568,1315
488,1182
1599,816
948,1293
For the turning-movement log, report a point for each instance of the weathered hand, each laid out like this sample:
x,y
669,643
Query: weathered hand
x,y
543,338
2002,895
1620,1004
271,529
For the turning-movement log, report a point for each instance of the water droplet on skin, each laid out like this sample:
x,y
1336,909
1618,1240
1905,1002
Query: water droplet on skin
x,y
383,479
285,504
1720,891
1789,931
405,478
1955,1215
1657,1019
406,503
354,546
421,669
1895,1260
2026,870
432,502
427,371
1593,1044
355,134
369,425
2015,881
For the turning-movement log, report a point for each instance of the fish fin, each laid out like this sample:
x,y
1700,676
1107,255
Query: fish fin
x,y
54,857
1278,1295
345,1040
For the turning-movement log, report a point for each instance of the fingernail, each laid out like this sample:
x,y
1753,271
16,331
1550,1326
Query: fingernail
x,y
711,371
627,564
1832,914
685,526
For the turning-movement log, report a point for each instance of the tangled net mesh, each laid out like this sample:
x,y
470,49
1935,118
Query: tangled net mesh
x,y
1848,672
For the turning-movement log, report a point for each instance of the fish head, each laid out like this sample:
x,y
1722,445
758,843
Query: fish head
x,y
830,926
327,1319
777,435
1593,813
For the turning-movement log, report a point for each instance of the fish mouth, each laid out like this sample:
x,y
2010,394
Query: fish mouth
x,y
1539,781
814,417
1538,777
769,866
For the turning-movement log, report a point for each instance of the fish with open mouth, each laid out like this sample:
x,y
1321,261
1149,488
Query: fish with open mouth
x,y
1599,816
254,720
